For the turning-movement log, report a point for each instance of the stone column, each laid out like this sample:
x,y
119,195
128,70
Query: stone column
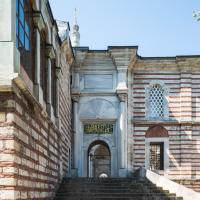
x,y
76,138
50,53
49,102
123,134
57,96
40,25
84,171
37,88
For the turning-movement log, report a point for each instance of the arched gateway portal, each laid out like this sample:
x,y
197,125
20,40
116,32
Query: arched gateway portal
x,y
99,160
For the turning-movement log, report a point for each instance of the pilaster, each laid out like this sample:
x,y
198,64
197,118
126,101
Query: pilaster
x,y
37,88
76,146
50,53
123,134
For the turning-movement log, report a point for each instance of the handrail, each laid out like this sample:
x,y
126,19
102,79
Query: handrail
x,y
171,186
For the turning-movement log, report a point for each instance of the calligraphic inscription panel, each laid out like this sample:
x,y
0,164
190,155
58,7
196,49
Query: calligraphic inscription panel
x,y
98,128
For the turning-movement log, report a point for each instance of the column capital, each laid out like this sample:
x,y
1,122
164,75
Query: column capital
x,y
50,51
122,97
122,68
38,20
75,98
58,72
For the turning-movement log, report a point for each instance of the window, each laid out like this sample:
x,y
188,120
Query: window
x,y
24,33
43,65
157,148
53,84
156,95
156,101
156,156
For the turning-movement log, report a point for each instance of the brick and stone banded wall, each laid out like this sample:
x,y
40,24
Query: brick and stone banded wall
x,y
184,155
141,80
29,150
65,116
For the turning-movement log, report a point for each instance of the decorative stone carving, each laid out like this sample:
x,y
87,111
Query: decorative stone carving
x,y
75,98
38,20
50,52
123,97
58,72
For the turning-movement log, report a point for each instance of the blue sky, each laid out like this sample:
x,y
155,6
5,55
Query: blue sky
x,y
158,27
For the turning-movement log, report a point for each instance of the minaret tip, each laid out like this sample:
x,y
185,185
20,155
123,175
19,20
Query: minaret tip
x,y
75,16
75,36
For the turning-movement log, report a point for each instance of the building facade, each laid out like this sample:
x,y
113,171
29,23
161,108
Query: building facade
x,y
71,111
151,105
35,102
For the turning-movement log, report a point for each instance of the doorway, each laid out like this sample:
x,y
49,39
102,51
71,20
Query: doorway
x,y
99,160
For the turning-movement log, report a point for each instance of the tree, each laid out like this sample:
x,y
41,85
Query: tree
x,y
196,14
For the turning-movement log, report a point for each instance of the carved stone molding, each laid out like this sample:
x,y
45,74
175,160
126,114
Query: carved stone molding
x,y
75,98
50,52
58,72
122,97
38,20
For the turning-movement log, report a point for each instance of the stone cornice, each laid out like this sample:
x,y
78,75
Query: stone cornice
x,y
122,57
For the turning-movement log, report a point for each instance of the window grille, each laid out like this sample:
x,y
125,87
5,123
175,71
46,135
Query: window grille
x,y
157,101
156,156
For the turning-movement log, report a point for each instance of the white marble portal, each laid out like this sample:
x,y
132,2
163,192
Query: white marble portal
x,y
100,96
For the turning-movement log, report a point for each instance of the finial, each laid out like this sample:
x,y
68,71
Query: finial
x,y
75,35
75,16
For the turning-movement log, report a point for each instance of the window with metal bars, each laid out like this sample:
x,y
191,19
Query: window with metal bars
x,y
24,35
157,156
157,101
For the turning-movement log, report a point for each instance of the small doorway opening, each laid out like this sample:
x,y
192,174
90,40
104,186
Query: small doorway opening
x,y
99,160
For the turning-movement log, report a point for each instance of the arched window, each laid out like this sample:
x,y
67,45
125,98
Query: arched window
x,y
156,101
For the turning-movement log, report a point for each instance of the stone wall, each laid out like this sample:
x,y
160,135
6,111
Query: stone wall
x,y
34,151
29,149
181,78
65,115
35,137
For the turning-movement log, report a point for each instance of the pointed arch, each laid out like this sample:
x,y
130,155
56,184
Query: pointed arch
x,y
156,131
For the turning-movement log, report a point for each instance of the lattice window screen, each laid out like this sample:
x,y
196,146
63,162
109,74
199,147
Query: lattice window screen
x,y
157,101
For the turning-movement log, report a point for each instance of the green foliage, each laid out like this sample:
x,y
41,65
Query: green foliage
x,y
196,14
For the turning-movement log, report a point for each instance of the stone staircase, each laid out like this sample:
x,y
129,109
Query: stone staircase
x,y
111,189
